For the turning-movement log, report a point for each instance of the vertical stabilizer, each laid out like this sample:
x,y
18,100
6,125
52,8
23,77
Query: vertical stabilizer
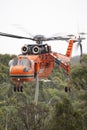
x,y
69,49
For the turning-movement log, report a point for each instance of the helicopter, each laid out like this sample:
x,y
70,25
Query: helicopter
x,y
38,60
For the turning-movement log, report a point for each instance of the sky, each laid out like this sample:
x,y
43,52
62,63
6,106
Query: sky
x,y
46,17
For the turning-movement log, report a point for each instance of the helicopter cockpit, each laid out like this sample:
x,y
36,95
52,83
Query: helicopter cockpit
x,y
20,62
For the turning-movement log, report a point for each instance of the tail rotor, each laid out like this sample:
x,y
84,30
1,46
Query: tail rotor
x,y
79,43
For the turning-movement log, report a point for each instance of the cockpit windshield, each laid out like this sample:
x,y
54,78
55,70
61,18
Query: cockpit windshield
x,y
20,62
24,62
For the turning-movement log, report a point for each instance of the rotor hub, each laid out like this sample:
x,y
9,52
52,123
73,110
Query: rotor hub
x,y
39,39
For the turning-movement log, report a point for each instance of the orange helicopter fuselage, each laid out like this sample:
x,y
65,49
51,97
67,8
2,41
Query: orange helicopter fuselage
x,y
25,67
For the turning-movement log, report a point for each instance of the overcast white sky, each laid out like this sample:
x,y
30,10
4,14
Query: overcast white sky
x,y
47,17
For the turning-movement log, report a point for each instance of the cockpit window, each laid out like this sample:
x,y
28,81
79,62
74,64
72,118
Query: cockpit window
x,y
20,62
13,62
24,62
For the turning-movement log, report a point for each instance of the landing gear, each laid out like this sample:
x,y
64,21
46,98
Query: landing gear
x,y
67,89
14,88
18,88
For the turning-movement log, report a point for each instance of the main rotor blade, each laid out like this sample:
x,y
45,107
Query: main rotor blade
x,y
57,38
71,35
82,33
14,36
23,29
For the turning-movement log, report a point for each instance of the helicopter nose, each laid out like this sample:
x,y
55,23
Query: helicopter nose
x,y
19,70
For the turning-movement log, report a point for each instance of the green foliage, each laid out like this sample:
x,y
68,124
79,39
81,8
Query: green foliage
x,y
84,59
4,68
4,59
4,71
79,74
65,117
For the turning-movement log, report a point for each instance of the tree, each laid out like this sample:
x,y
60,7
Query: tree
x,y
33,116
65,117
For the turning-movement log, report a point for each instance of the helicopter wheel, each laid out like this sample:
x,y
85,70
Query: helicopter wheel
x,y
14,88
20,88
67,89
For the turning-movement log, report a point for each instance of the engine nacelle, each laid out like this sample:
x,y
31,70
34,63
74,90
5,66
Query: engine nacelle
x,y
24,49
35,50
